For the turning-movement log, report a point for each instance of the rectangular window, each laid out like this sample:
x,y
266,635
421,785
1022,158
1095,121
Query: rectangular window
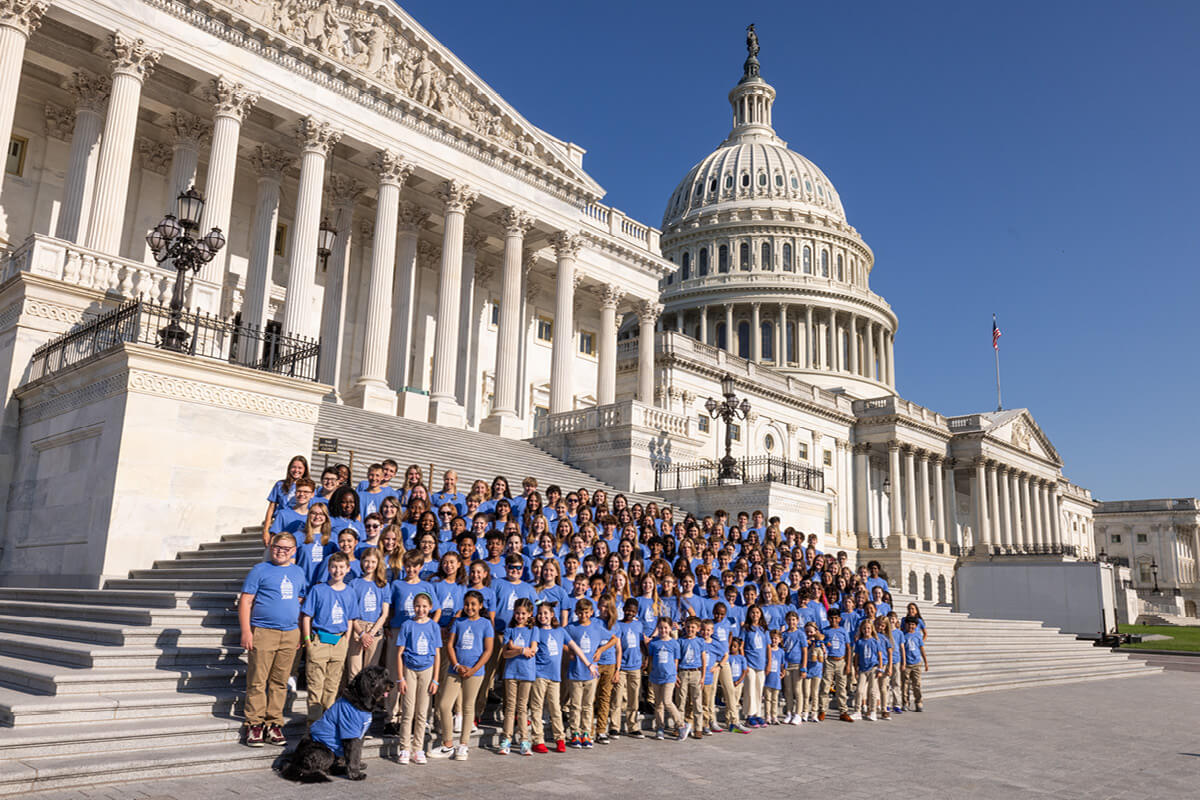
x,y
828,458
803,451
1116,538
703,423
1142,538
545,330
587,343
735,432
494,318
281,233
16,156
1144,572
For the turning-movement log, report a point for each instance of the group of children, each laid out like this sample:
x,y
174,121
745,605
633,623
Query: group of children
x,y
576,613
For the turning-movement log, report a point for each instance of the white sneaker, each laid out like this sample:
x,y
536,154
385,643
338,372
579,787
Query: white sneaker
x,y
292,684
403,757
419,757
441,752
872,717
460,753
458,723
475,729
797,719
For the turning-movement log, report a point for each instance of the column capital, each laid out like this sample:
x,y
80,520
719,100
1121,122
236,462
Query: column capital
x,y
60,121
861,448
515,221
411,216
90,91
610,296
924,455
315,136
979,461
457,196
344,192
391,168
270,161
618,318
229,98
156,156
131,56
649,311
893,445
566,245
473,240
188,129
429,254
23,15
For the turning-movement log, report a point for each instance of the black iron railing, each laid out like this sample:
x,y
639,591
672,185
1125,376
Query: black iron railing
x,y
138,321
760,469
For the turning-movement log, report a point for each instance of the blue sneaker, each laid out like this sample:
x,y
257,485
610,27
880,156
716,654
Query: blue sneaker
x,y
505,746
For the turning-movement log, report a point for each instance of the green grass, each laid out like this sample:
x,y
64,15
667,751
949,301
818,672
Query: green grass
x,y
1182,638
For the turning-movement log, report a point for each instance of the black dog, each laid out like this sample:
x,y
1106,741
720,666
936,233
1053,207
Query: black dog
x,y
334,742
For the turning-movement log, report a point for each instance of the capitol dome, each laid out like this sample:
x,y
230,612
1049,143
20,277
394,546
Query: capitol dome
x,y
762,245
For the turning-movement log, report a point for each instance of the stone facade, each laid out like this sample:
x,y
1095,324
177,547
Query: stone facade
x,y
1162,533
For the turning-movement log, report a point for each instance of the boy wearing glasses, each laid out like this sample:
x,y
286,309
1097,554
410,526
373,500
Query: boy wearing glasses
x,y
269,617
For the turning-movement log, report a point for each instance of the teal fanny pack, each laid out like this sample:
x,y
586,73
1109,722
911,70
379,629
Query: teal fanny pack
x,y
325,637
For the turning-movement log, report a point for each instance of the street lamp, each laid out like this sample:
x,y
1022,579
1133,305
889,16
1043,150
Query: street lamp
x,y
326,234
1154,572
175,238
728,410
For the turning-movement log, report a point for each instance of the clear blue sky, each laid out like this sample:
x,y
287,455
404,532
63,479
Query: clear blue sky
x,y
1038,160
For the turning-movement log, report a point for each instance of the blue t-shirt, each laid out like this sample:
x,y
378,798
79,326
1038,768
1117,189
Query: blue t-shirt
x,y
646,615
866,654
448,596
794,643
289,520
691,652
403,593
737,666
774,678
309,557
280,497
630,634
872,583
340,721
694,606
370,503
885,645
457,499
420,641
589,638
816,669
664,660
277,592
715,652
339,524
723,631
913,642
470,637
551,643
756,641
836,642
371,598
323,571
553,594
520,668
507,594
331,609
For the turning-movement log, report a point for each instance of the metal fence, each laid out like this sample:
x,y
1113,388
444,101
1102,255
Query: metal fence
x,y
760,469
203,336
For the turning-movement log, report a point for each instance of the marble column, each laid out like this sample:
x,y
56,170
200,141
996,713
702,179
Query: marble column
x,y
409,220
862,503
1052,507
881,353
1014,500
852,343
1027,538
562,348
269,162
444,408
833,340
703,324
756,332
939,498
18,19
316,140
894,480
371,391
912,526
473,242
132,62
606,371
345,193
782,358
504,419
994,510
809,338
891,359
648,313
869,346
91,97
983,536
779,339
730,336
924,513
1039,531
231,103
189,132
1004,509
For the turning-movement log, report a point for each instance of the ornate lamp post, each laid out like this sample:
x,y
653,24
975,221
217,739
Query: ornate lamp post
x,y
728,410
175,238
326,235
1154,572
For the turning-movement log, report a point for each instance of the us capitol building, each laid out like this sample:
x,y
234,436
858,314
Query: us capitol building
x,y
455,265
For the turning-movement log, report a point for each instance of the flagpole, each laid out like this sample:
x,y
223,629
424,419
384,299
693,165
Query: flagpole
x,y
996,350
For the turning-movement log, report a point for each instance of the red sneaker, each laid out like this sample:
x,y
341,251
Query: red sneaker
x,y
560,746
541,748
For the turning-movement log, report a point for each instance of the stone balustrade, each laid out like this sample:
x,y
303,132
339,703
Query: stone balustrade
x,y
625,412
898,406
616,224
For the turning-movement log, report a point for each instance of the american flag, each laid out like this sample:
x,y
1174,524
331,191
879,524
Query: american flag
x,y
995,334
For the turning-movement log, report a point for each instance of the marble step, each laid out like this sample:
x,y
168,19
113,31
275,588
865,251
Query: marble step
x,y
68,653
33,681
1013,680
107,633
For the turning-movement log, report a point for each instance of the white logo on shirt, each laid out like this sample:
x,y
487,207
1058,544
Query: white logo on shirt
x,y
286,590
318,552
721,634
664,657
585,643
512,601
552,646
369,602
448,602
422,645
468,639
630,639
408,604
338,616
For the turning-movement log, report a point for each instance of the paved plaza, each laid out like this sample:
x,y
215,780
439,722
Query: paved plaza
x,y
1124,738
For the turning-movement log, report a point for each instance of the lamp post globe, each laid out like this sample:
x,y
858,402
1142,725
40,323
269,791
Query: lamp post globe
x,y
174,239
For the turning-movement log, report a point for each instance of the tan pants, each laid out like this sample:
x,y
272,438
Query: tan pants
x,y
416,708
267,674
625,712
881,699
457,690
731,693
545,697
752,692
867,694
604,693
708,699
793,677
359,658
912,683
893,697
392,712
691,681
661,695
580,706
516,708
771,701
324,672
834,680
811,699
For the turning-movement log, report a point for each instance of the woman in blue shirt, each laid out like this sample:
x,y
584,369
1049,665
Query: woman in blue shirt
x,y
757,645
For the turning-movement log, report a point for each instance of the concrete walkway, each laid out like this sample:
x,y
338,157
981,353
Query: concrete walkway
x,y
1123,738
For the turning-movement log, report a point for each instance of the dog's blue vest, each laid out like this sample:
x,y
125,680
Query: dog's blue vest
x,y
340,721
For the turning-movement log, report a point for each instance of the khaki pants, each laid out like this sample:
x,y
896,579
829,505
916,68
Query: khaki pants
x,y
708,698
324,672
267,674
395,672
812,699
580,705
454,691
893,697
604,693
793,677
625,712
359,658
545,697
661,695
771,701
516,708
834,680
883,680
867,694
691,681
416,708
752,692
731,694
912,683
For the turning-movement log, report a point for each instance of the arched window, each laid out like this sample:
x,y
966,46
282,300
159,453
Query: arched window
x,y
824,263
712,185
723,258
787,256
778,181
728,181
721,338
743,340
762,179
766,262
744,257
687,265
745,179
702,262
841,274
807,259
767,344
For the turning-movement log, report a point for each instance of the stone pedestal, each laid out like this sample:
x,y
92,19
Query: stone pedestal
x,y
447,412
510,426
411,404
374,396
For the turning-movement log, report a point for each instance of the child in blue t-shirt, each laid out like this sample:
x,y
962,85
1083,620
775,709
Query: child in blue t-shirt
x,y
813,671
467,650
662,652
418,649
887,658
593,639
552,641
372,591
325,619
838,662
866,664
625,716
520,671
793,646
757,649
773,680
915,662
737,679
717,653
284,492
346,543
